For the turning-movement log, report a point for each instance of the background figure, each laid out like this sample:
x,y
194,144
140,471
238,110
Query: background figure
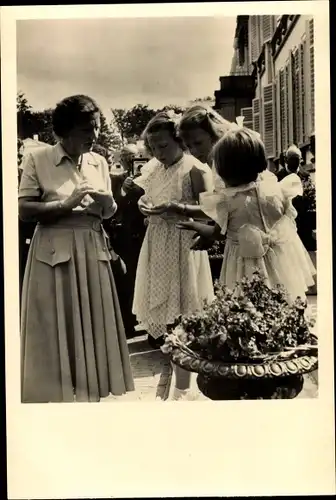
x,y
73,344
305,204
127,230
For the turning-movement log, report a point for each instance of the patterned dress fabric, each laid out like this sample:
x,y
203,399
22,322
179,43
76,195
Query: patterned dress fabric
x,y
171,279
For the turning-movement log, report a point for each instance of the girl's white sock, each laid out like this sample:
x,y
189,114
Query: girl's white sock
x,y
180,393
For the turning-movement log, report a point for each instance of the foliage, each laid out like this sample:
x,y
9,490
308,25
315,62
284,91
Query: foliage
x,y
42,126
132,122
217,250
209,101
24,116
97,148
309,194
250,323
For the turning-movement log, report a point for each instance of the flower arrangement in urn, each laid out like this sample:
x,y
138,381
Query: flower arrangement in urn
x,y
249,332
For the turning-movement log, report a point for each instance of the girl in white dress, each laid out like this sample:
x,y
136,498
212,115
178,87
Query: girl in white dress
x,y
171,278
257,216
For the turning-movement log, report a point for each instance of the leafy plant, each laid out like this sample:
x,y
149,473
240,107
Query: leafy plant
x,y
217,250
309,194
251,323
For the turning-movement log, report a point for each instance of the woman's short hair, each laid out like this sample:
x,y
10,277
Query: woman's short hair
x,y
161,121
73,111
204,117
240,156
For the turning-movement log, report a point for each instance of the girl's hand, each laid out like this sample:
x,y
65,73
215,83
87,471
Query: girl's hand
x,y
201,243
189,225
167,208
78,194
145,207
204,230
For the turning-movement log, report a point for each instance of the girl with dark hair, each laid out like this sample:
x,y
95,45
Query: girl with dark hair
x,y
73,344
255,212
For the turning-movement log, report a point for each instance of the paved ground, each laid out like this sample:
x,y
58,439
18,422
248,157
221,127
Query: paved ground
x,y
154,376
151,370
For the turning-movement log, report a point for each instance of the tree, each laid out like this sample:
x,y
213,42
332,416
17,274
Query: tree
x,y
178,109
24,116
42,126
132,122
209,101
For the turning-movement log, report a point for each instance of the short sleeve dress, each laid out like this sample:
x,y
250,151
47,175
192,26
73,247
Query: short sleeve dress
x,y
73,344
171,279
259,222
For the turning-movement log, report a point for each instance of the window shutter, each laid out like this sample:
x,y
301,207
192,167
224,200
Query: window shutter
x,y
269,120
289,101
256,115
296,96
248,117
254,38
266,28
277,108
283,91
312,75
303,99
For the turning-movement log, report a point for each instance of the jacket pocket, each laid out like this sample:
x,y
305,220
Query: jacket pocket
x,y
102,248
52,249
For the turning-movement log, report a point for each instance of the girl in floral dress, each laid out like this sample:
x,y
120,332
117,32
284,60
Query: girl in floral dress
x,y
255,212
171,278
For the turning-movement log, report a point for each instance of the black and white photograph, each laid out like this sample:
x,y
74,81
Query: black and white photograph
x,y
194,276
168,240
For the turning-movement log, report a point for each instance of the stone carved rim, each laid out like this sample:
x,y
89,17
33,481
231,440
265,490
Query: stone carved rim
x,y
271,369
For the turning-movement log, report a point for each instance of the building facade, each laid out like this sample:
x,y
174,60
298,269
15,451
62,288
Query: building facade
x,y
277,52
237,90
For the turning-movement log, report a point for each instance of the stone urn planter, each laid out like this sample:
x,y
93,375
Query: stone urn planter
x,y
248,343
281,379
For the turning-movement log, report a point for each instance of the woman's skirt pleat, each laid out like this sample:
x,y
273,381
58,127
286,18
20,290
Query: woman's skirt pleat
x,y
73,343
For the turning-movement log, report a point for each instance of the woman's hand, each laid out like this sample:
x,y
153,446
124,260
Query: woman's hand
x,y
100,196
78,194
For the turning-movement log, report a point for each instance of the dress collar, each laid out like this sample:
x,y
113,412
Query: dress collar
x,y
60,153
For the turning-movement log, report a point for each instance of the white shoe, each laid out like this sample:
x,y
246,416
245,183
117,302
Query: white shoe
x,y
183,395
